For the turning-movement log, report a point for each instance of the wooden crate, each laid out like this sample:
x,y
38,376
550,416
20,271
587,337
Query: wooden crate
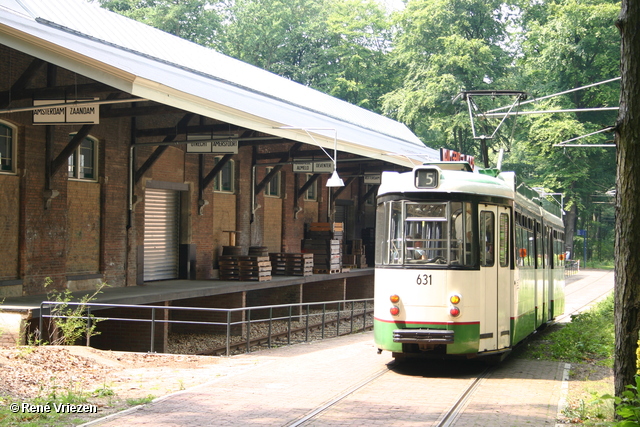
x,y
292,264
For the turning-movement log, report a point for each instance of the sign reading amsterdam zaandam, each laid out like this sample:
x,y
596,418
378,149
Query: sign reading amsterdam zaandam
x,y
53,111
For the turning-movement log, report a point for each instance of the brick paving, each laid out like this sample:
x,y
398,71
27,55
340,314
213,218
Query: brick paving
x,y
287,384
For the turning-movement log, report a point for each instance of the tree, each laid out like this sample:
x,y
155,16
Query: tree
x,y
443,47
196,20
286,37
627,290
336,46
359,43
563,45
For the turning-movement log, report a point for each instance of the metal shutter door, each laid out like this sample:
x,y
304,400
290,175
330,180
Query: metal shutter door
x,y
161,234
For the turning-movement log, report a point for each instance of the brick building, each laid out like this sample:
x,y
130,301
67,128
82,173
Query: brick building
x,y
127,154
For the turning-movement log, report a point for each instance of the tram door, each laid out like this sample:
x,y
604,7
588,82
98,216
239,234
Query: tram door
x,y
494,229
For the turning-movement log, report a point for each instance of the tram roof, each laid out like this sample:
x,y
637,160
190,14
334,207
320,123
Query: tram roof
x,y
454,178
146,62
451,181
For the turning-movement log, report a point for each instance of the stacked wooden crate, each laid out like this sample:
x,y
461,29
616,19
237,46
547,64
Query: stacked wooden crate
x,y
324,240
245,267
292,264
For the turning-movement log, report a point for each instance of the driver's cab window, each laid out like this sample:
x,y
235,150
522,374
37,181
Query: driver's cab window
x,y
426,233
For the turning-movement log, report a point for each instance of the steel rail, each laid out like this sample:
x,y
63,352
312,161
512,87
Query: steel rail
x,y
324,407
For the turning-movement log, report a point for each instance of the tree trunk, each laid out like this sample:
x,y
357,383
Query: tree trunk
x,y
627,248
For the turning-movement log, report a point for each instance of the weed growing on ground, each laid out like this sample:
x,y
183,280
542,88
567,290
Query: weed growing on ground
x,y
587,342
72,320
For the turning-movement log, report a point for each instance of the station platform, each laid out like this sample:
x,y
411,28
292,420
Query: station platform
x,y
172,290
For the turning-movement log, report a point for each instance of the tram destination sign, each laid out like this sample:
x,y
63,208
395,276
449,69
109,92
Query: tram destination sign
x,y
53,111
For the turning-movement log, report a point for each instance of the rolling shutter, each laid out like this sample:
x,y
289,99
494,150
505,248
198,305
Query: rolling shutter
x,y
161,234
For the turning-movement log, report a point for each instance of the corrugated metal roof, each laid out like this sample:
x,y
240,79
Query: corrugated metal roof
x,y
150,63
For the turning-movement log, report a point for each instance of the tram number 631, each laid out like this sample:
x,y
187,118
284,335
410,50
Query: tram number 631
x,y
424,279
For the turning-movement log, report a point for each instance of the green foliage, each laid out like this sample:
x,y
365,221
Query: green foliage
x,y
195,20
628,405
589,337
72,320
141,401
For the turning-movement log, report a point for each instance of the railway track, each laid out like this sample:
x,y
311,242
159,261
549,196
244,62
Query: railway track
x,y
448,417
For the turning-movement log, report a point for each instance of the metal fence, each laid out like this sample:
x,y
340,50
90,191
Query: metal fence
x,y
571,267
283,320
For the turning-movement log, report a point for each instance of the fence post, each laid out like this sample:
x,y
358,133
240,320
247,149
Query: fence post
x,y
352,305
249,331
270,325
153,328
338,321
88,326
40,324
289,328
228,333
306,333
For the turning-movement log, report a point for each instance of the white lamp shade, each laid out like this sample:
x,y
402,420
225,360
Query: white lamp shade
x,y
335,180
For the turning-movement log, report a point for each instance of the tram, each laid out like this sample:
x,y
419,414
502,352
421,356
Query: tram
x,y
468,263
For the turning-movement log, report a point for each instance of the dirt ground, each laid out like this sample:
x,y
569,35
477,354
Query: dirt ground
x,y
115,381
111,380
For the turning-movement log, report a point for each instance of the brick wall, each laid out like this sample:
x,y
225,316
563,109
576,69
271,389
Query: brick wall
x,y
83,227
272,211
131,335
224,219
9,226
330,290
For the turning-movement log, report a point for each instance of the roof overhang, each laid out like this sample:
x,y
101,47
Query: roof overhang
x,y
215,96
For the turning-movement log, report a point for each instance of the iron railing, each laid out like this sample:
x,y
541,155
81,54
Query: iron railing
x,y
291,315
571,267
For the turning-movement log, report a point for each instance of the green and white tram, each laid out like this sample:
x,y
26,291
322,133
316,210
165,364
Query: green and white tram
x,y
467,263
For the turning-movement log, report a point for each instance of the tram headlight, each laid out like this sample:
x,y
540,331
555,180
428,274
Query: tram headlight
x,y
394,299
395,310
454,299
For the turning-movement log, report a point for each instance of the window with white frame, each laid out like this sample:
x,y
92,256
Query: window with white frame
x,y
83,162
224,180
312,191
8,136
273,186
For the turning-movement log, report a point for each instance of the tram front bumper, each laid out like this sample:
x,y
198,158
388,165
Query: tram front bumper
x,y
423,336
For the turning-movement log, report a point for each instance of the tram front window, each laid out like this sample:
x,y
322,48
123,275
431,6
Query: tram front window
x,y
429,234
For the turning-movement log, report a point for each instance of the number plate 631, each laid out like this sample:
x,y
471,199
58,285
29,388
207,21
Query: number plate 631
x,y
424,279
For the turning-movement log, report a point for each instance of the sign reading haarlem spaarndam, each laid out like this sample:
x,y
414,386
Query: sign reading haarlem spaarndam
x,y
53,112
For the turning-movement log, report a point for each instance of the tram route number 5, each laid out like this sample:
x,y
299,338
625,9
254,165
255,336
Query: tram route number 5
x,y
424,279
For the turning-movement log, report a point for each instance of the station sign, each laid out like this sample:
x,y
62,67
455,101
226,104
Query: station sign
x,y
76,114
204,144
313,167
372,178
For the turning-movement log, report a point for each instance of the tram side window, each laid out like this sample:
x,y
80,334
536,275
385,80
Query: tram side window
x,y
461,234
503,250
487,233
538,235
382,234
